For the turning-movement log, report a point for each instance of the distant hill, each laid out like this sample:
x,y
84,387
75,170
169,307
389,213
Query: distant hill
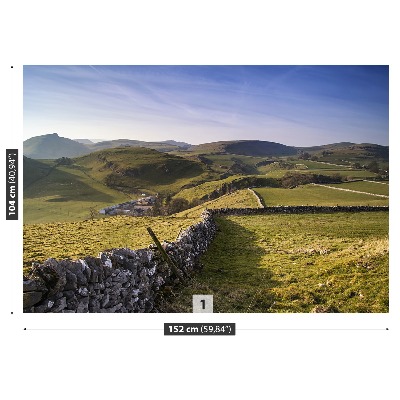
x,y
348,151
159,146
184,145
52,146
246,147
84,141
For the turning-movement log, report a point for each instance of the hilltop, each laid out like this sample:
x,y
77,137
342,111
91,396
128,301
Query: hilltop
x,y
349,152
52,146
166,146
246,147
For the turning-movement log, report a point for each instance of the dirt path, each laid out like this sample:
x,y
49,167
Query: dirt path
x,y
259,202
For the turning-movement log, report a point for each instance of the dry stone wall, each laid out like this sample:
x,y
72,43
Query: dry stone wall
x,y
296,210
125,280
118,280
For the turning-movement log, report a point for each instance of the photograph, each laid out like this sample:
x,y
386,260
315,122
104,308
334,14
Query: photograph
x,y
205,188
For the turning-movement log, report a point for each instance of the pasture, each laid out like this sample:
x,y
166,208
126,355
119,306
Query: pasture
x,y
294,263
87,238
317,196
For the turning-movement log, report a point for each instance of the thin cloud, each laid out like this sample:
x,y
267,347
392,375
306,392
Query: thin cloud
x,y
163,101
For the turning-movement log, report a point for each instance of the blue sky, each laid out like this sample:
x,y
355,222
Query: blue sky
x,y
293,105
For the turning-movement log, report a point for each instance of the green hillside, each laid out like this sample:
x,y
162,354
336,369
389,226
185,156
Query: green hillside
x,y
52,146
35,170
350,153
136,169
64,193
54,192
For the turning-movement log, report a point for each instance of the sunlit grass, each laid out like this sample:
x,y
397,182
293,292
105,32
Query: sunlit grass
x,y
317,196
295,263
88,238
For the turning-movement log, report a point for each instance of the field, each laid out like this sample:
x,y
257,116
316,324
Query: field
x,y
363,186
66,193
344,172
88,238
294,263
204,189
317,196
239,199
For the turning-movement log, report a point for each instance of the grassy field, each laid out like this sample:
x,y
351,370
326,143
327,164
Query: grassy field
x,y
240,198
67,193
204,189
317,196
362,186
345,172
88,238
294,263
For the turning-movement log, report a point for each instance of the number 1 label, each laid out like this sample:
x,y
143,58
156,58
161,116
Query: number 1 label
x,y
202,303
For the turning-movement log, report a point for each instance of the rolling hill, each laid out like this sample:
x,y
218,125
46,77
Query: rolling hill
x,y
166,146
350,152
62,192
246,147
134,169
52,146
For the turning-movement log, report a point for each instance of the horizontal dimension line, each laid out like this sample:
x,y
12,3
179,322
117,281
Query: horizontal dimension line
x,y
92,329
312,329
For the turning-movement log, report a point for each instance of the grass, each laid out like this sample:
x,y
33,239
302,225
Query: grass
x,y
362,186
317,196
204,189
345,172
66,193
136,169
239,199
88,238
294,263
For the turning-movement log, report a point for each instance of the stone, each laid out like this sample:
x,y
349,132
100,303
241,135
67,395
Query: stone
x,y
83,291
81,278
83,306
105,301
59,305
41,309
121,278
69,294
71,281
31,298
34,286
